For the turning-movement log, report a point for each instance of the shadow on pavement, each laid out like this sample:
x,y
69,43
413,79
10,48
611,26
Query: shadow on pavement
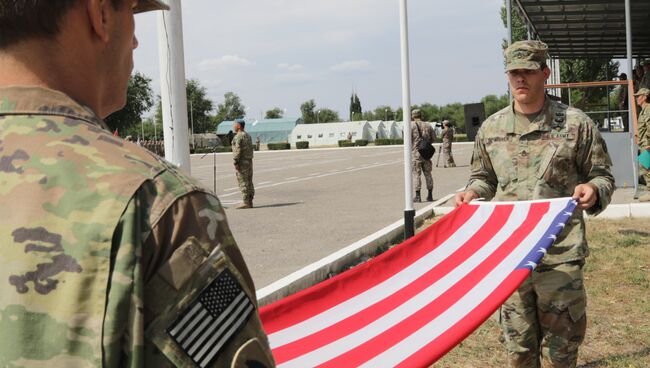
x,y
277,205
605,362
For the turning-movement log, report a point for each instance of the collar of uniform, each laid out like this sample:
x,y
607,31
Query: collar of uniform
x,y
21,100
540,123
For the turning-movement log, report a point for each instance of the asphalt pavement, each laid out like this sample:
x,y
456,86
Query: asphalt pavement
x,y
311,203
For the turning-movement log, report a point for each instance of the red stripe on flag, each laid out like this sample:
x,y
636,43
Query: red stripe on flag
x,y
430,353
408,326
355,322
284,313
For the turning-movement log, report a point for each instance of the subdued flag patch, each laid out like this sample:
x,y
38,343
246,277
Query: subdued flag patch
x,y
414,303
216,314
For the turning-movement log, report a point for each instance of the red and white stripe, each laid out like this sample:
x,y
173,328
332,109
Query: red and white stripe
x,y
412,304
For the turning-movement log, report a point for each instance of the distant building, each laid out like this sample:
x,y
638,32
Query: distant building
x,y
268,130
328,134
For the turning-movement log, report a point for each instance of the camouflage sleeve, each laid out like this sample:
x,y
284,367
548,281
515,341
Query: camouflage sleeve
x,y
236,148
644,139
192,266
594,165
483,179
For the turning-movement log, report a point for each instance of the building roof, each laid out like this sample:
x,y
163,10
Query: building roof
x,y
588,28
264,125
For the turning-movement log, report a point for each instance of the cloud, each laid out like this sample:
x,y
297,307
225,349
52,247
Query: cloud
x,y
224,62
290,67
352,66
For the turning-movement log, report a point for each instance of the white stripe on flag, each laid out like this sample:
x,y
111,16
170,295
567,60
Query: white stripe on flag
x,y
385,289
227,335
469,302
174,331
408,308
190,327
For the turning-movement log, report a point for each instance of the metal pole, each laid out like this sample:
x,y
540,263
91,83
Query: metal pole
x,y
172,85
509,35
409,212
192,124
630,96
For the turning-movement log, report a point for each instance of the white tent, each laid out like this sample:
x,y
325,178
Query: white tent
x,y
397,129
378,130
327,134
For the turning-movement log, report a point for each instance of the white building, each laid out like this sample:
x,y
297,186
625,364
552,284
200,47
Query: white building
x,y
328,134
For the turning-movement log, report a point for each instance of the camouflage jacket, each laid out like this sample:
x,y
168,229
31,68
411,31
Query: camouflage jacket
x,y
645,81
416,138
105,248
242,146
447,135
642,126
560,149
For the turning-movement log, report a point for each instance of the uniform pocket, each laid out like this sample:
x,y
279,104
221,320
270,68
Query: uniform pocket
x,y
199,305
544,165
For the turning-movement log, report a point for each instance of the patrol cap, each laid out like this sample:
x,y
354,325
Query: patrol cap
x,y
416,113
149,5
526,55
645,62
643,92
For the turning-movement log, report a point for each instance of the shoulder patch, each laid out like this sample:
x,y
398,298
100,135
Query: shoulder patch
x,y
212,319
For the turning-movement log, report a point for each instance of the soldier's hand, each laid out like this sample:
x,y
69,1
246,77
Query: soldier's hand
x,y
648,149
465,197
586,195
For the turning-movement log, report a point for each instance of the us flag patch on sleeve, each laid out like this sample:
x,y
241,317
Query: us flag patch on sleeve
x,y
207,324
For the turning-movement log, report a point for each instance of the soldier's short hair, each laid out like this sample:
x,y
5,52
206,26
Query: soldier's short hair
x,y
21,20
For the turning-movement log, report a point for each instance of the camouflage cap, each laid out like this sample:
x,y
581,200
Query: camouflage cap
x,y
149,5
526,55
643,92
416,113
645,62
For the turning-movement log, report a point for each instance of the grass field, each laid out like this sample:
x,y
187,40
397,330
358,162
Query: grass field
x,y
618,286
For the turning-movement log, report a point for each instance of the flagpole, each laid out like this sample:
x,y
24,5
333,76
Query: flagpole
x,y
409,212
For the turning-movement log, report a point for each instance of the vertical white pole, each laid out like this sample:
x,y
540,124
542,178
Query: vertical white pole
x,y
172,86
630,73
409,212
509,35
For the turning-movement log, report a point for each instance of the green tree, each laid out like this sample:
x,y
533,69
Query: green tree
x,y
519,30
587,70
230,109
382,112
139,99
307,110
199,107
326,115
356,112
274,113
494,103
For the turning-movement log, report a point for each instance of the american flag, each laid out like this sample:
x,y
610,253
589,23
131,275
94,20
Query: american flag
x,y
212,319
411,305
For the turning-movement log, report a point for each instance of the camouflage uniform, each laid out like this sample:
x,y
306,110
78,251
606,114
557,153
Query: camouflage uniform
x,y
105,247
242,151
447,138
644,138
520,157
420,165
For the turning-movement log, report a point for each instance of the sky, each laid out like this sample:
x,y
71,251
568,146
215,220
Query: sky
x,y
281,53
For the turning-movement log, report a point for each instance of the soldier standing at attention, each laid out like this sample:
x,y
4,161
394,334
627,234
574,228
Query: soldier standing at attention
x,y
537,148
645,81
242,151
419,131
110,256
447,138
644,135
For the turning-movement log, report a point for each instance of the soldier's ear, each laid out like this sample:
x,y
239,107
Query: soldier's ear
x,y
98,14
547,72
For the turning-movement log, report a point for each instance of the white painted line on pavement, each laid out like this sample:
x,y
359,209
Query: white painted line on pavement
x,y
264,182
292,178
229,189
314,174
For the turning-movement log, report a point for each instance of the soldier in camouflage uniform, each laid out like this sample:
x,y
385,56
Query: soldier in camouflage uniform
x,y
110,256
419,131
645,81
447,138
644,135
534,149
242,151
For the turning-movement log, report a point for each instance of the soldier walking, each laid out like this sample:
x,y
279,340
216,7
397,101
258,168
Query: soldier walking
x,y
644,136
111,257
242,150
421,166
447,138
537,148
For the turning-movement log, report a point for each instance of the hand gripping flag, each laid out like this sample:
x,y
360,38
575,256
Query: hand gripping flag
x,y
411,305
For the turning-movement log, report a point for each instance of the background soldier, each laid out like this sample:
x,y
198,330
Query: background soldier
x,y
110,256
538,148
447,138
645,81
644,136
242,151
419,131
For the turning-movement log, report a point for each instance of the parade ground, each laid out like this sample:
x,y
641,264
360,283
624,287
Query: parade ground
x,y
310,203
